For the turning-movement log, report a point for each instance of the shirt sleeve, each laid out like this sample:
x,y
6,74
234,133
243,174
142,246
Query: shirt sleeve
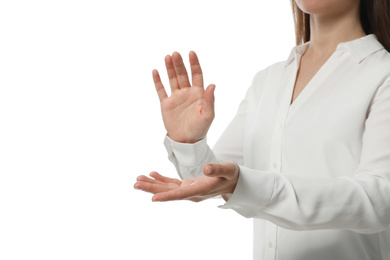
x,y
189,159
360,204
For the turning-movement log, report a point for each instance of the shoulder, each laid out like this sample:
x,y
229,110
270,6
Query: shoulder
x,y
381,60
266,77
375,70
271,70
372,57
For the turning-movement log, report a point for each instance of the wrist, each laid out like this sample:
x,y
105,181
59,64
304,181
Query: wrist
x,y
233,185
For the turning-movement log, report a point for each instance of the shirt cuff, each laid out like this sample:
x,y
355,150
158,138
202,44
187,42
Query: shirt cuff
x,y
187,154
252,193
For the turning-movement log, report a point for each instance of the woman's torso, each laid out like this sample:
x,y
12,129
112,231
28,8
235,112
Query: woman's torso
x,y
319,134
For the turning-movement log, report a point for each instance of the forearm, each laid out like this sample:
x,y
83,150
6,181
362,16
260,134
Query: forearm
x,y
359,204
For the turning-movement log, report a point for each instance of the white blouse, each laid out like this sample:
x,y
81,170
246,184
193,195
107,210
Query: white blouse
x,y
314,175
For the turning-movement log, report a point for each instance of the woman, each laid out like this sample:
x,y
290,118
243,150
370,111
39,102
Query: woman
x,y
307,155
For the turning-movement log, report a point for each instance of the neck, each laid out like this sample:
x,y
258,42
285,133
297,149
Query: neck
x,y
327,32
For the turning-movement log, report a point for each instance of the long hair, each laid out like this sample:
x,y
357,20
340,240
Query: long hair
x,y
374,16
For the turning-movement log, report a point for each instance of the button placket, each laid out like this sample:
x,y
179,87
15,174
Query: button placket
x,y
270,241
275,165
276,148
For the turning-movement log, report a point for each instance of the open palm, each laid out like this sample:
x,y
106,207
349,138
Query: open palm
x,y
189,111
221,181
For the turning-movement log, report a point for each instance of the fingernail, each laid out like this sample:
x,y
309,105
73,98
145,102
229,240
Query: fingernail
x,y
209,169
155,200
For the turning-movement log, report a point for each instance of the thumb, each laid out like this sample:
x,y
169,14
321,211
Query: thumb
x,y
226,170
209,94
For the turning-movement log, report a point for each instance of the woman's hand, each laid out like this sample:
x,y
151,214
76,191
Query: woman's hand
x,y
189,111
219,179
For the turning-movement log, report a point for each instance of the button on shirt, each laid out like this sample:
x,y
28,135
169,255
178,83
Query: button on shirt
x,y
314,175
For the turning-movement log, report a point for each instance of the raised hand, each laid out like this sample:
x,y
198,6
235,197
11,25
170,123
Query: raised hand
x,y
189,111
219,179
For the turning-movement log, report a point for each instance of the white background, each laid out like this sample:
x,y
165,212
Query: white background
x,y
80,120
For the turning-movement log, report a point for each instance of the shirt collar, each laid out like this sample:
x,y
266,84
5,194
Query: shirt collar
x,y
363,47
297,50
360,48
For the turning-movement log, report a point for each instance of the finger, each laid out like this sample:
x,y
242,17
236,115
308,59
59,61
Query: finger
x,y
181,72
164,179
196,71
209,95
159,86
171,73
150,180
227,170
151,187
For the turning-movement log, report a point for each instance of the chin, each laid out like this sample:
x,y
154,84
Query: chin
x,y
325,7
